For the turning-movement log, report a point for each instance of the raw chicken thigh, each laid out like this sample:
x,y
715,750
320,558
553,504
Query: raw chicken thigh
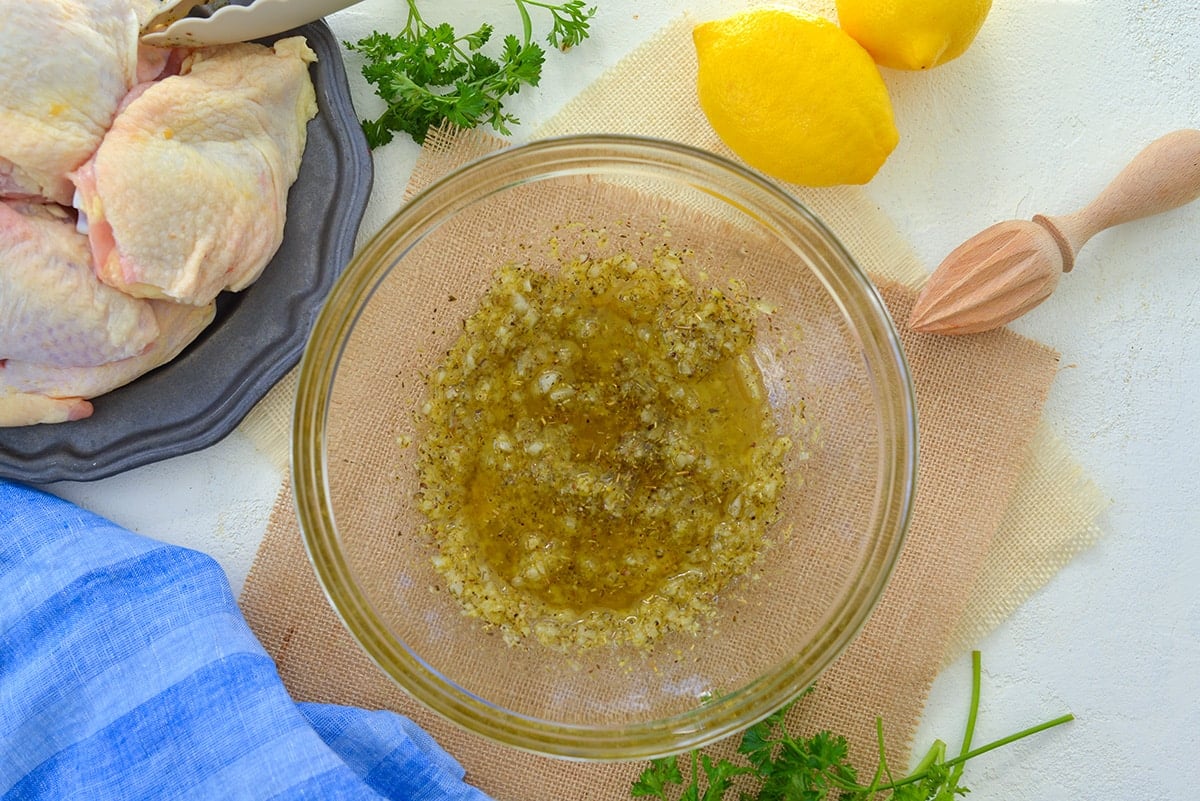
x,y
37,393
180,163
53,309
186,195
65,66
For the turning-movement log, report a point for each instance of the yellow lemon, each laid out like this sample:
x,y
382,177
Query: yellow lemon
x,y
794,97
913,34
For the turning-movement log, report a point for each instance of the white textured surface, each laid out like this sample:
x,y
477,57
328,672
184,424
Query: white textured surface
x,y
1043,110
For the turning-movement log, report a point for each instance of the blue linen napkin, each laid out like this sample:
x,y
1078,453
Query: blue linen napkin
x,y
128,672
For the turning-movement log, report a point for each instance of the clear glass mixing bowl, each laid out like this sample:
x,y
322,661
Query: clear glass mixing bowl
x,y
836,378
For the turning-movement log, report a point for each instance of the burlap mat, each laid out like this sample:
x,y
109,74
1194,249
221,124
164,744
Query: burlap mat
x,y
978,400
1000,506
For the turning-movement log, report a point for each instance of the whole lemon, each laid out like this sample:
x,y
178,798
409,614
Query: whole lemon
x,y
913,34
794,96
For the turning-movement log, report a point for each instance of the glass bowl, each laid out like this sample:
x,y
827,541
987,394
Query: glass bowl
x,y
835,376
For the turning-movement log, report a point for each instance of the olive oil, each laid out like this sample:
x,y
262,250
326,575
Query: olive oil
x,y
600,459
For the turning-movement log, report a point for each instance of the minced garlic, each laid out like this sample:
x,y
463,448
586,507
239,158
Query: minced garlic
x,y
599,458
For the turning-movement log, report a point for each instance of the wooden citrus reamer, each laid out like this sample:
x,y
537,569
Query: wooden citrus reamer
x,y
1007,269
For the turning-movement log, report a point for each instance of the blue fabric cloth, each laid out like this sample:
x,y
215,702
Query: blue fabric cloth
x,y
128,672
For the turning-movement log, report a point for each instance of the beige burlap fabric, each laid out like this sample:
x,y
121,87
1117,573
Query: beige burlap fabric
x,y
979,400
1000,506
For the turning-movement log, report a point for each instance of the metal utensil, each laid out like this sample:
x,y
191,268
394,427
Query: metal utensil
x,y
1007,269
234,23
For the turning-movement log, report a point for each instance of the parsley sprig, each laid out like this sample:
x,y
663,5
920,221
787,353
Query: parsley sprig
x,y
786,768
427,73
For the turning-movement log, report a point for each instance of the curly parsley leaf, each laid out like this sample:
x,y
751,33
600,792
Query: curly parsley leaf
x,y
661,775
657,778
785,768
428,74
719,775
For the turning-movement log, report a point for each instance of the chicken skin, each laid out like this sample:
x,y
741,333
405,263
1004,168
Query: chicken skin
x,y
53,309
179,162
33,393
65,65
186,195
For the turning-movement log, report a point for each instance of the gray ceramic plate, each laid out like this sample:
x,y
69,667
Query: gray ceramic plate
x,y
259,334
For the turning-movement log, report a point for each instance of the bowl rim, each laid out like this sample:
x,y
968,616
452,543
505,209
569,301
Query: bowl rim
x,y
685,731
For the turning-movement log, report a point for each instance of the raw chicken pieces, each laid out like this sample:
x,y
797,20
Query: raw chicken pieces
x,y
55,311
180,164
186,195
65,336
65,66
39,393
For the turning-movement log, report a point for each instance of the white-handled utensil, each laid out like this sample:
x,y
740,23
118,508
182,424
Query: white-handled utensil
x,y
235,23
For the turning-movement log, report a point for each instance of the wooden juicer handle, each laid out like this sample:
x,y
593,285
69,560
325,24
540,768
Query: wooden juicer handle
x,y
1164,176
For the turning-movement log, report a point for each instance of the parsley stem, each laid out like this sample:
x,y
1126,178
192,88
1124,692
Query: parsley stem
x,y
526,22
933,756
882,768
414,24
972,714
1012,738
916,776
